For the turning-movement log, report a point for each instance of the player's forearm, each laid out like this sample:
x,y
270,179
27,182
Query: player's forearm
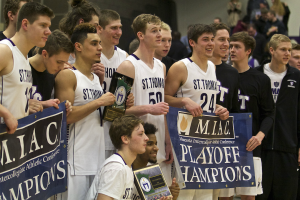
x,y
167,134
139,110
4,112
174,101
80,112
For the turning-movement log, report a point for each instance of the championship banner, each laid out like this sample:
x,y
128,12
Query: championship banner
x,y
33,160
212,152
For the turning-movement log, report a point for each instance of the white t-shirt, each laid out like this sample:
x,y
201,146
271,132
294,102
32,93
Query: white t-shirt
x,y
276,79
200,86
113,179
111,66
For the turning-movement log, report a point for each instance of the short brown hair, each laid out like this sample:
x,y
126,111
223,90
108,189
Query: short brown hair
x,y
57,42
31,11
295,46
196,30
106,16
246,39
13,6
123,126
81,9
139,24
276,39
80,32
220,26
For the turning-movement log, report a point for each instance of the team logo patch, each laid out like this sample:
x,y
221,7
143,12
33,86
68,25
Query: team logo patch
x,y
145,184
291,83
276,84
120,95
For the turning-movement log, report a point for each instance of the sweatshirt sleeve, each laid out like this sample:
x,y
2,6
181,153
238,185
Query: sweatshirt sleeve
x,y
267,106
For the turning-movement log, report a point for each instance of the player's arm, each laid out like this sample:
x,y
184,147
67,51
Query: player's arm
x,y
161,108
266,114
65,85
222,112
176,77
104,197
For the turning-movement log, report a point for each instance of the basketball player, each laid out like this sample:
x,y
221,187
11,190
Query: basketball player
x,y
48,61
227,76
82,88
148,88
33,24
162,51
295,56
195,98
110,31
114,180
11,9
149,158
255,96
281,145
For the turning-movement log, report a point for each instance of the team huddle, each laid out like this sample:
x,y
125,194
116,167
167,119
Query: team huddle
x,y
75,64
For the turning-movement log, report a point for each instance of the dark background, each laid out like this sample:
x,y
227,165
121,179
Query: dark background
x,y
128,10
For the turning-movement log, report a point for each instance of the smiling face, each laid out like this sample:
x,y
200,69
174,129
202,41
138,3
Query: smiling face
x,y
221,43
295,59
138,140
282,53
204,45
112,32
151,150
238,53
166,41
152,35
39,31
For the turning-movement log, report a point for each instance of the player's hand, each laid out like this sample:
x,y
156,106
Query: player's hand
x,y
107,99
194,108
99,70
35,106
11,123
169,153
161,108
130,101
174,189
222,112
51,103
68,107
255,141
273,29
67,66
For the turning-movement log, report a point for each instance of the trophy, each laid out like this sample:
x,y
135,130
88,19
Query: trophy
x,y
150,183
120,86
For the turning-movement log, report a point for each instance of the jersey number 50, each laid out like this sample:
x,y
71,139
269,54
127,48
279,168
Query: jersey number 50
x,y
153,100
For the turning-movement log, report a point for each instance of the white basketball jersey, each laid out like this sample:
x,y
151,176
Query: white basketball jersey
x,y
111,66
148,88
15,87
86,142
200,86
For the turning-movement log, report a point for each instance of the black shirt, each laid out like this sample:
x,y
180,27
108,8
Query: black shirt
x,y
168,61
2,36
278,24
255,96
42,84
228,86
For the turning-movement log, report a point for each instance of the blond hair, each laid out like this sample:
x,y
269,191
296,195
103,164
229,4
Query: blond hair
x,y
276,39
165,26
278,7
